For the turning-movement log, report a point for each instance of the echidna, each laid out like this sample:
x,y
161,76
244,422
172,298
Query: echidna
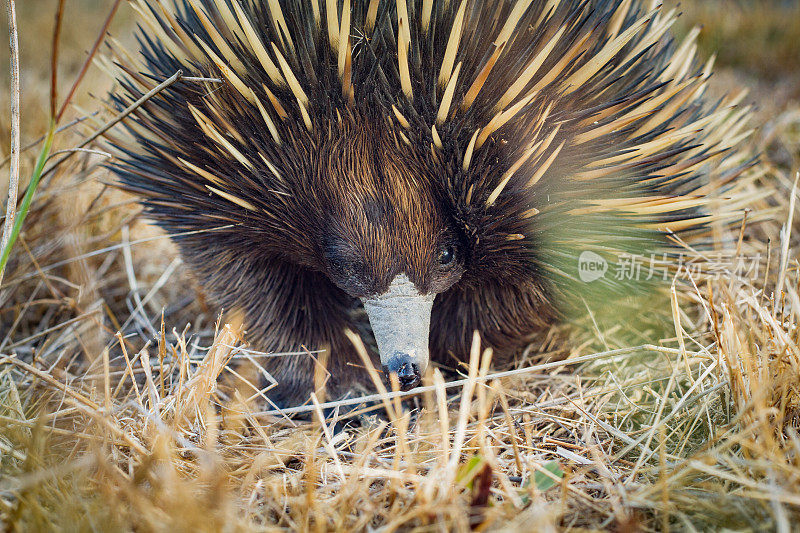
x,y
439,165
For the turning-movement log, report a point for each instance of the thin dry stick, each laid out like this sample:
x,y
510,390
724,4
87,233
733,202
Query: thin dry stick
x,y
466,401
129,370
89,59
54,60
786,237
13,179
106,382
444,418
512,434
676,319
120,117
328,438
82,150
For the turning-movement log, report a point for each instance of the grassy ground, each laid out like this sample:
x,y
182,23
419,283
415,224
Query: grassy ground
x,y
637,429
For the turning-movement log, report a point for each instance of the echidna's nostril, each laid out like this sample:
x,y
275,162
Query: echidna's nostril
x,y
408,374
406,370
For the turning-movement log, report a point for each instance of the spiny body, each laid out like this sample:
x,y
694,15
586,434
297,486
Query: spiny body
x,y
439,164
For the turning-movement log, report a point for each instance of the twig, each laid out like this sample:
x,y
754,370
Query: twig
x,y
54,60
202,79
88,62
13,180
328,438
120,117
82,150
466,402
786,238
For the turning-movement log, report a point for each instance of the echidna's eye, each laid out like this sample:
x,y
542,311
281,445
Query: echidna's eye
x,y
447,255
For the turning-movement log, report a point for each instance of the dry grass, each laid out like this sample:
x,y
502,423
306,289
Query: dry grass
x,y
756,36
694,429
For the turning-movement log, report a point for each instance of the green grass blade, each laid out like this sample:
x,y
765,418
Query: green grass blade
x,y
28,198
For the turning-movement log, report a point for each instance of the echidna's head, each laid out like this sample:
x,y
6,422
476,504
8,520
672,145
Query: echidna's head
x,y
384,236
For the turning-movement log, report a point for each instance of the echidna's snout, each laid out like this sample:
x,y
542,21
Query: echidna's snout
x,y
401,320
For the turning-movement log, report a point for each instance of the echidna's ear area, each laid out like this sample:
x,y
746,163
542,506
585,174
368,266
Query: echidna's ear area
x,y
555,126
